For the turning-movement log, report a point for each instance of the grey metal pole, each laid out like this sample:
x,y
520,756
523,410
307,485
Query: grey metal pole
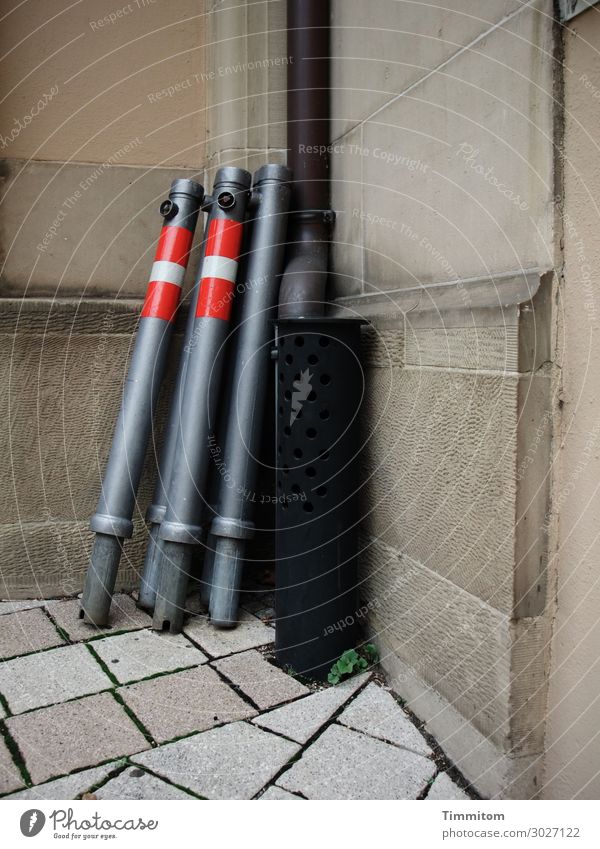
x,y
180,529
112,521
156,511
233,525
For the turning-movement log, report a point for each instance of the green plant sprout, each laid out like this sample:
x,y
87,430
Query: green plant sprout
x,y
352,661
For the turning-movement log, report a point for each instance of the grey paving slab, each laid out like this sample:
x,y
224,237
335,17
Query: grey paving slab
x,y
376,712
49,677
124,616
57,740
140,654
12,606
261,605
69,787
301,719
275,792
194,700
444,789
264,683
231,762
10,777
27,631
345,764
135,783
249,633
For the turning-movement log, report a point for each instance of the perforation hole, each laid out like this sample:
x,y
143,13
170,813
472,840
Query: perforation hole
x,y
280,410
296,489
286,470
311,432
321,491
287,430
289,359
281,377
324,455
313,359
325,379
298,453
299,341
324,415
287,395
311,471
312,396
308,507
323,341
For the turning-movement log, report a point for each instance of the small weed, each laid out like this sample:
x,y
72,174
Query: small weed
x,y
352,661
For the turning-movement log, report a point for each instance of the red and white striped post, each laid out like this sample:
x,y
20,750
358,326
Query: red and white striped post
x,y
186,491
112,521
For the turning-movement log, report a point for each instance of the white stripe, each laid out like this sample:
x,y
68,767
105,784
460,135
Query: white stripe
x,y
168,272
220,266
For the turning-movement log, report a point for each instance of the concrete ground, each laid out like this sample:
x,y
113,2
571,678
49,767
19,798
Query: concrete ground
x,y
124,713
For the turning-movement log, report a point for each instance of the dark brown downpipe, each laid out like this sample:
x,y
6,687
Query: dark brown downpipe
x,y
302,292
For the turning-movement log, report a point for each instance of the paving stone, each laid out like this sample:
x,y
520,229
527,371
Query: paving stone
x,y
301,719
344,764
178,704
135,783
27,631
13,606
69,787
261,605
57,740
266,685
50,677
231,762
10,777
124,616
249,633
143,653
376,712
276,792
444,789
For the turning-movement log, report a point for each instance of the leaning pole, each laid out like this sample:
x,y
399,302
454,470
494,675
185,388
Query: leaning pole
x,y
112,521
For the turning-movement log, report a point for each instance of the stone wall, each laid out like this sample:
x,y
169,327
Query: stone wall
x,y
446,121
102,107
443,184
572,740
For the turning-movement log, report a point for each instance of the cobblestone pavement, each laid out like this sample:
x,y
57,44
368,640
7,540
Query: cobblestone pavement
x,y
125,713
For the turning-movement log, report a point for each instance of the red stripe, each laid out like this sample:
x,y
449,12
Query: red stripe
x,y
174,245
162,300
224,238
215,298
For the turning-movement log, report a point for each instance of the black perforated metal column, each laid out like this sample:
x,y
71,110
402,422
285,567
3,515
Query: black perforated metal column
x,y
319,391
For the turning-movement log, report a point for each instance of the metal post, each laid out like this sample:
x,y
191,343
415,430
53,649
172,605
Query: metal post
x,y
156,511
112,521
233,524
186,491
303,287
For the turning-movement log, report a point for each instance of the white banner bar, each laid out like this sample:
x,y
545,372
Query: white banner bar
x,y
248,825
